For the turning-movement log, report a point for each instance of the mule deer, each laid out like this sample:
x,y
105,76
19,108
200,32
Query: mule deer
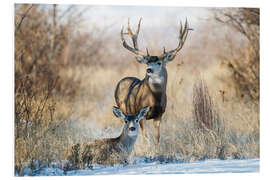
x,y
131,93
111,150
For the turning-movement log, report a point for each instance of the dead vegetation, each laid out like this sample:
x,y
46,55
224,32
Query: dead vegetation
x,y
43,48
65,79
245,61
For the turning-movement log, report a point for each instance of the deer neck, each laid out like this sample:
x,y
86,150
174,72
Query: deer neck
x,y
127,142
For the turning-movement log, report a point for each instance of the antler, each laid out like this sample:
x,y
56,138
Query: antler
x,y
182,38
134,37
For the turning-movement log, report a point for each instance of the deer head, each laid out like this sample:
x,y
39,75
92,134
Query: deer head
x,y
131,120
155,64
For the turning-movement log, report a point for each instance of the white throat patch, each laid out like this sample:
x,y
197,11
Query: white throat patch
x,y
157,79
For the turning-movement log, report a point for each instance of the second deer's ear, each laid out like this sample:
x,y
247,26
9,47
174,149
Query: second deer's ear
x,y
118,113
143,112
141,59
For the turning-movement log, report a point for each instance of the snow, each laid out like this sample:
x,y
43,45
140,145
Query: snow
x,y
200,167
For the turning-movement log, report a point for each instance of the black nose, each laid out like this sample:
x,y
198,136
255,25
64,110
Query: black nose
x,y
149,70
132,128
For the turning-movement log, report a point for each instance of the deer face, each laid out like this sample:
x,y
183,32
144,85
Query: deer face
x,y
154,66
131,120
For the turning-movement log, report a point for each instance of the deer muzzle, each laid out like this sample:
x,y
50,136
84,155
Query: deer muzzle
x,y
149,70
132,128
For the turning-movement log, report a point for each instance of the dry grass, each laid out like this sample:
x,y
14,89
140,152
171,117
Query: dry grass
x,y
236,128
89,116
77,107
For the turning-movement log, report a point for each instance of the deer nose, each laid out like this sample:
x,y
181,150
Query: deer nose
x,y
132,128
149,70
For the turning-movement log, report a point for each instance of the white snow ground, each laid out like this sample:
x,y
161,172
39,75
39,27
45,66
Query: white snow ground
x,y
206,166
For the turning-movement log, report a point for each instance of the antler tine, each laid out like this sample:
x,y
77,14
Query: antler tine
x,y
139,26
182,37
181,28
129,29
134,40
147,52
122,34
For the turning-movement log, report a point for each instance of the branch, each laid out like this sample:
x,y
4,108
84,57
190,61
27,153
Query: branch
x,y
24,15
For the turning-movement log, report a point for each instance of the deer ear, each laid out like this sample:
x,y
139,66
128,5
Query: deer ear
x,y
141,59
118,113
143,112
169,57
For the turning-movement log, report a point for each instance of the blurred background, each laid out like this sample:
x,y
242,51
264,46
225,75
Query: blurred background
x,y
69,58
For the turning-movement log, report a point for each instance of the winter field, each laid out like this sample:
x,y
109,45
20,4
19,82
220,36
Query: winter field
x,y
68,60
142,167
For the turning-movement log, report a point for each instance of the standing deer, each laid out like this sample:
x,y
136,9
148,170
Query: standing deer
x,y
131,93
111,150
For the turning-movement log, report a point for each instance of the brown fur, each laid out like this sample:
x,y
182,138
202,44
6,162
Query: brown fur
x,y
132,94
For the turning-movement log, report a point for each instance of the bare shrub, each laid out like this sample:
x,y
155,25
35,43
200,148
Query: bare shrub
x,y
206,118
34,119
243,62
39,47
205,115
41,59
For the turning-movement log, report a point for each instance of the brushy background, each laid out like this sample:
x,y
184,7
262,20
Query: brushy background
x,y
67,66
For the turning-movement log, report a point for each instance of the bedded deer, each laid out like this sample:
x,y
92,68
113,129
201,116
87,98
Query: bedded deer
x,y
131,93
108,151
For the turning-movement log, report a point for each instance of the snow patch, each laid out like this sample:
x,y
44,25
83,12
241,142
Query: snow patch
x,y
143,167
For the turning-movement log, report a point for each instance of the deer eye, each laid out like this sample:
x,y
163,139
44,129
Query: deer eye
x,y
136,120
159,63
126,121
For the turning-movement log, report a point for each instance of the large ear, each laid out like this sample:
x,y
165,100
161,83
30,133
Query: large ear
x,y
141,59
143,112
118,113
169,57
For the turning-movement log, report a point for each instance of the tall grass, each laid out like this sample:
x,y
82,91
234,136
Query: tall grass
x,y
207,128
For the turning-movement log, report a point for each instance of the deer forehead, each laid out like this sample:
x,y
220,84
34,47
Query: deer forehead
x,y
131,117
152,59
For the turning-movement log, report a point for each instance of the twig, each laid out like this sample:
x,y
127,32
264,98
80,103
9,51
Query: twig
x,y
24,15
